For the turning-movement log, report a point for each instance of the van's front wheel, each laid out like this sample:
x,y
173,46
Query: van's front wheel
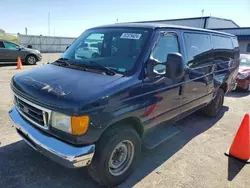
x,y
214,107
116,155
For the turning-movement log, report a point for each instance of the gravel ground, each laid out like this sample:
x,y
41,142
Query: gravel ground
x,y
192,158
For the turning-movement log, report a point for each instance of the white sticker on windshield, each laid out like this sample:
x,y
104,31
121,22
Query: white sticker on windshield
x,y
134,36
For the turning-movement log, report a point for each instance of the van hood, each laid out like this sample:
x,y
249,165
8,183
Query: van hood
x,y
64,89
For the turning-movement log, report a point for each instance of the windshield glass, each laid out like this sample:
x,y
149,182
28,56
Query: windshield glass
x,y
245,60
113,48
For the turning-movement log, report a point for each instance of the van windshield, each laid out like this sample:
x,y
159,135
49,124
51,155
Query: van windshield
x,y
114,48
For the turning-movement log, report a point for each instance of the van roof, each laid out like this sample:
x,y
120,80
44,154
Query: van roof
x,y
160,25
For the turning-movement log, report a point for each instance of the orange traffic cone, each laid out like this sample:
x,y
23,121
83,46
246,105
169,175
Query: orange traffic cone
x,y
240,148
19,63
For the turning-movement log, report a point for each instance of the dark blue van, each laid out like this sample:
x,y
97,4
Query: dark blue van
x,y
104,98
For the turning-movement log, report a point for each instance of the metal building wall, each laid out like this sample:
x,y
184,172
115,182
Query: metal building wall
x,y
193,22
213,23
45,43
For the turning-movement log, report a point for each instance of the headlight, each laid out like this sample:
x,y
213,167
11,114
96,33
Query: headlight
x,y
76,125
242,76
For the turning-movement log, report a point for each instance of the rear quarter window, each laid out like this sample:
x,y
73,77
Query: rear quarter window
x,y
221,42
235,42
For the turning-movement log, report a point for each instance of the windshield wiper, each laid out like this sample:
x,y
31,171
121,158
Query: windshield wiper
x,y
64,61
101,67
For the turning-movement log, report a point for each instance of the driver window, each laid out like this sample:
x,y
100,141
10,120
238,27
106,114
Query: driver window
x,y
168,43
10,46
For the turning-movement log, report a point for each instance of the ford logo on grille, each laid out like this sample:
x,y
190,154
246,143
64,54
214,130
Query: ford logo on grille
x,y
25,109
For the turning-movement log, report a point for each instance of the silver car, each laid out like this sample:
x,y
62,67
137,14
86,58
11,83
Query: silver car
x,y
9,52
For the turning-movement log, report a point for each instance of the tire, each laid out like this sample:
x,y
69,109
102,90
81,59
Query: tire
x,y
100,169
245,89
30,60
214,107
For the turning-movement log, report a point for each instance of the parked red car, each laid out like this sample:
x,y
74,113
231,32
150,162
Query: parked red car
x,y
243,77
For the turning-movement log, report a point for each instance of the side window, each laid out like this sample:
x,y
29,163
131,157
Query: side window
x,y
221,42
168,43
196,44
10,46
1,44
90,47
248,47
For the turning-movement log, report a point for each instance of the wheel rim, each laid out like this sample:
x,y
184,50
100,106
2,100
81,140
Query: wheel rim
x,y
31,60
121,158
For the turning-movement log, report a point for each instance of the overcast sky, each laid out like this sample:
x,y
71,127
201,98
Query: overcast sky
x,y
72,17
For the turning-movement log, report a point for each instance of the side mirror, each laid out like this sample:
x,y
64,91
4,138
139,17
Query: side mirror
x,y
159,69
155,68
67,47
174,65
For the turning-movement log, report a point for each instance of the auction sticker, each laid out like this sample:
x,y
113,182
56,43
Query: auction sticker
x,y
134,36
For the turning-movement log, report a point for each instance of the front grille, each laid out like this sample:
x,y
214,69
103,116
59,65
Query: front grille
x,y
37,115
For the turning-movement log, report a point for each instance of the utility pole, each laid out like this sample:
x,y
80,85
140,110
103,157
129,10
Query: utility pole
x,y
202,13
117,20
49,24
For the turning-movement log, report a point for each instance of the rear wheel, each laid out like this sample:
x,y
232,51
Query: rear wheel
x,y
30,60
116,155
214,107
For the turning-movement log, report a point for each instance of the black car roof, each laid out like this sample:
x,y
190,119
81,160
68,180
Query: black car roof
x,y
160,25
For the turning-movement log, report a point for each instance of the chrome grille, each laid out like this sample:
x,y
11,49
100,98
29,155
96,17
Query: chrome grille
x,y
35,114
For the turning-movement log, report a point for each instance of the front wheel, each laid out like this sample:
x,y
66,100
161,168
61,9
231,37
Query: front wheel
x,y
116,155
30,60
214,107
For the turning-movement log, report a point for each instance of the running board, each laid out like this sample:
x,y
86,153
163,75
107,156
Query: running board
x,y
159,135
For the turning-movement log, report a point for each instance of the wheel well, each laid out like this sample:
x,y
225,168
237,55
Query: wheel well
x,y
224,86
133,121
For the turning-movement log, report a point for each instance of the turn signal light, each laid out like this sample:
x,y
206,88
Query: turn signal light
x,y
79,124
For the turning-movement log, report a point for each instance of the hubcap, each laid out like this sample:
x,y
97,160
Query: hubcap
x,y
31,60
121,158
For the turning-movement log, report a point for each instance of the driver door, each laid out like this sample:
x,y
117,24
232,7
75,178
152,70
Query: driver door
x,y
12,51
163,93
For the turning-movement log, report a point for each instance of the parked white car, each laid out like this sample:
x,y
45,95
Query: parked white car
x,y
87,50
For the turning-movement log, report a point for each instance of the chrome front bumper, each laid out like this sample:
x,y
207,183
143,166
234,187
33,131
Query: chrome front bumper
x,y
65,154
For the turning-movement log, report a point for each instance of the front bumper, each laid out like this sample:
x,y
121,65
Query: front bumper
x,y
39,57
65,154
242,83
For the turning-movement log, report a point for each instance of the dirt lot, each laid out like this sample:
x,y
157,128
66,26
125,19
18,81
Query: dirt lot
x,y
192,158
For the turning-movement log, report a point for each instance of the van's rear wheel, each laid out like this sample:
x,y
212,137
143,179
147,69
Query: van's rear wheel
x,y
214,107
116,155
